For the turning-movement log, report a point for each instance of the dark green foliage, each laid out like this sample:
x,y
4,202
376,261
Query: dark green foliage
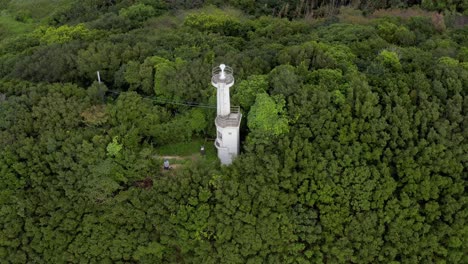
x,y
422,28
83,11
53,63
355,136
111,22
137,13
452,5
216,23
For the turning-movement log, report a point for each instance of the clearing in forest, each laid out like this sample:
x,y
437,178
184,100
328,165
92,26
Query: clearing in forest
x,y
182,154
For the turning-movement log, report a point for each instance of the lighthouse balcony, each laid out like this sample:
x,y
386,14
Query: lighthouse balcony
x,y
231,120
223,75
228,80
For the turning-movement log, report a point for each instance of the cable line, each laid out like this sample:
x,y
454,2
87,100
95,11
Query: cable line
x,y
191,104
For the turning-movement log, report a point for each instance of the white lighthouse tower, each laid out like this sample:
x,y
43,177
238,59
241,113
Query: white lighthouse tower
x,y
228,118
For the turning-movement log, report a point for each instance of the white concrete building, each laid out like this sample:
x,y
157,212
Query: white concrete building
x,y
228,118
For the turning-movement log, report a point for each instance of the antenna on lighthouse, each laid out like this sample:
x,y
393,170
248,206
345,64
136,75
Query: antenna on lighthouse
x,y
222,76
228,118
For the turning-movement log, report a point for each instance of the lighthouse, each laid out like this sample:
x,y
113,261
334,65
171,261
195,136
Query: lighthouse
x,y
227,118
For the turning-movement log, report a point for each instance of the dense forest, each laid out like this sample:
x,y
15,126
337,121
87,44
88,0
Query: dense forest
x,y
354,136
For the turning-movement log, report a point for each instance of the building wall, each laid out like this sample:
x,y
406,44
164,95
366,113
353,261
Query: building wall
x,y
228,139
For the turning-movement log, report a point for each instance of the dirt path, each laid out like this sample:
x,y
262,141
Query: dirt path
x,y
171,157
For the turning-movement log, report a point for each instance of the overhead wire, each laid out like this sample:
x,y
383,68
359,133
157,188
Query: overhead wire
x,y
163,101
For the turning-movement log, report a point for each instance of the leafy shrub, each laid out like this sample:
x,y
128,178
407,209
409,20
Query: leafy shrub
x,y
422,28
138,13
23,16
246,91
63,34
111,21
463,54
217,23
113,148
395,34
266,116
389,59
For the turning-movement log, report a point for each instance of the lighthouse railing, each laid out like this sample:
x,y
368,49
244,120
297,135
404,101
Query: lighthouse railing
x,y
231,120
224,75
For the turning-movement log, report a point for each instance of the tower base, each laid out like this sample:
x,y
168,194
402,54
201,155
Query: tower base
x,y
227,138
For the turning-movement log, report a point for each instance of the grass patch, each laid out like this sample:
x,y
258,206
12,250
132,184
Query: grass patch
x,y
188,149
182,155
37,9
9,26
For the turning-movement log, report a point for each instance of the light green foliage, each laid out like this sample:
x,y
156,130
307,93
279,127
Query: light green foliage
x,y
63,34
389,59
338,97
9,26
138,12
113,148
447,61
395,34
266,116
246,91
